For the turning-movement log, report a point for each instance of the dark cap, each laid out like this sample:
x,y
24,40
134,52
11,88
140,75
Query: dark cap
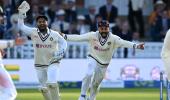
x,y
41,16
103,23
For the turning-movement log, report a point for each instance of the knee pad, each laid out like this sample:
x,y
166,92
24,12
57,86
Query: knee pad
x,y
43,89
45,92
54,91
95,84
52,85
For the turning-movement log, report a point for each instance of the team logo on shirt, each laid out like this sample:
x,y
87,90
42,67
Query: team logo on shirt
x,y
109,43
43,45
101,49
51,39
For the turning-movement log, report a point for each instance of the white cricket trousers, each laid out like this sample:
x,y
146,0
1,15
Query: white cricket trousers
x,y
94,76
166,62
49,74
7,87
48,77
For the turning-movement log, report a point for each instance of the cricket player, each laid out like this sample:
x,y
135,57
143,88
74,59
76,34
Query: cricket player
x,y
102,45
165,54
7,88
49,48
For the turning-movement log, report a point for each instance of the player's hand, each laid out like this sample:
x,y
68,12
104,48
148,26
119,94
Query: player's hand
x,y
20,40
140,46
24,7
57,56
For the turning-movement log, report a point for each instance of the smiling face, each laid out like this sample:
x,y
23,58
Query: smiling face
x,y
42,24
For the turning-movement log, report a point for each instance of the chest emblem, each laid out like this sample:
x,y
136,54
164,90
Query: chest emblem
x,y
109,43
51,39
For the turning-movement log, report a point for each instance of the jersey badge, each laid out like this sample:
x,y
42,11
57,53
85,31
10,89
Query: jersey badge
x,y
109,43
51,39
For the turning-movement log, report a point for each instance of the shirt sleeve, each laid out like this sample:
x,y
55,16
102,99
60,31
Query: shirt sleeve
x,y
62,43
6,43
25,29
78,38
123,43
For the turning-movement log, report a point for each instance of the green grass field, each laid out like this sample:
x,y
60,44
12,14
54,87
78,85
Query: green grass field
x,y
104,94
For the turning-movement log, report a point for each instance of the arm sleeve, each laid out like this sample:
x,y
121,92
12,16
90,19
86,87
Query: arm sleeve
x,y
123,43
6,43
78,38
25,29
62,43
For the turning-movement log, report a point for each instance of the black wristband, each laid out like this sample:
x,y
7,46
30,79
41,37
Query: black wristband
x,y
134,46
65,37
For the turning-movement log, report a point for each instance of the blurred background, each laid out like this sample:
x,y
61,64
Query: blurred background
x,y
143,21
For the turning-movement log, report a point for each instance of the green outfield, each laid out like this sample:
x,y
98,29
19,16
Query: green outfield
x,y
105,94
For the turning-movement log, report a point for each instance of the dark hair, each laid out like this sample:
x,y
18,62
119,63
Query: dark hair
x,y
41,16
103,23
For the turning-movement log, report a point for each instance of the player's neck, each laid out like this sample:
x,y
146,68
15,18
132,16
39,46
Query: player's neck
x,y
44,31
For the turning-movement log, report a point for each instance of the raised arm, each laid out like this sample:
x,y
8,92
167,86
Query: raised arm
x,y
78,38
25,29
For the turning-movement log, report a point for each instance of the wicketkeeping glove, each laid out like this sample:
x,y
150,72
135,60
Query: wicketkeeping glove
x,y
57,56
23,8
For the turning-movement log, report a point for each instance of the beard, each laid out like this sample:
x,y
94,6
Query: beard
x,y
42,29
104,34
